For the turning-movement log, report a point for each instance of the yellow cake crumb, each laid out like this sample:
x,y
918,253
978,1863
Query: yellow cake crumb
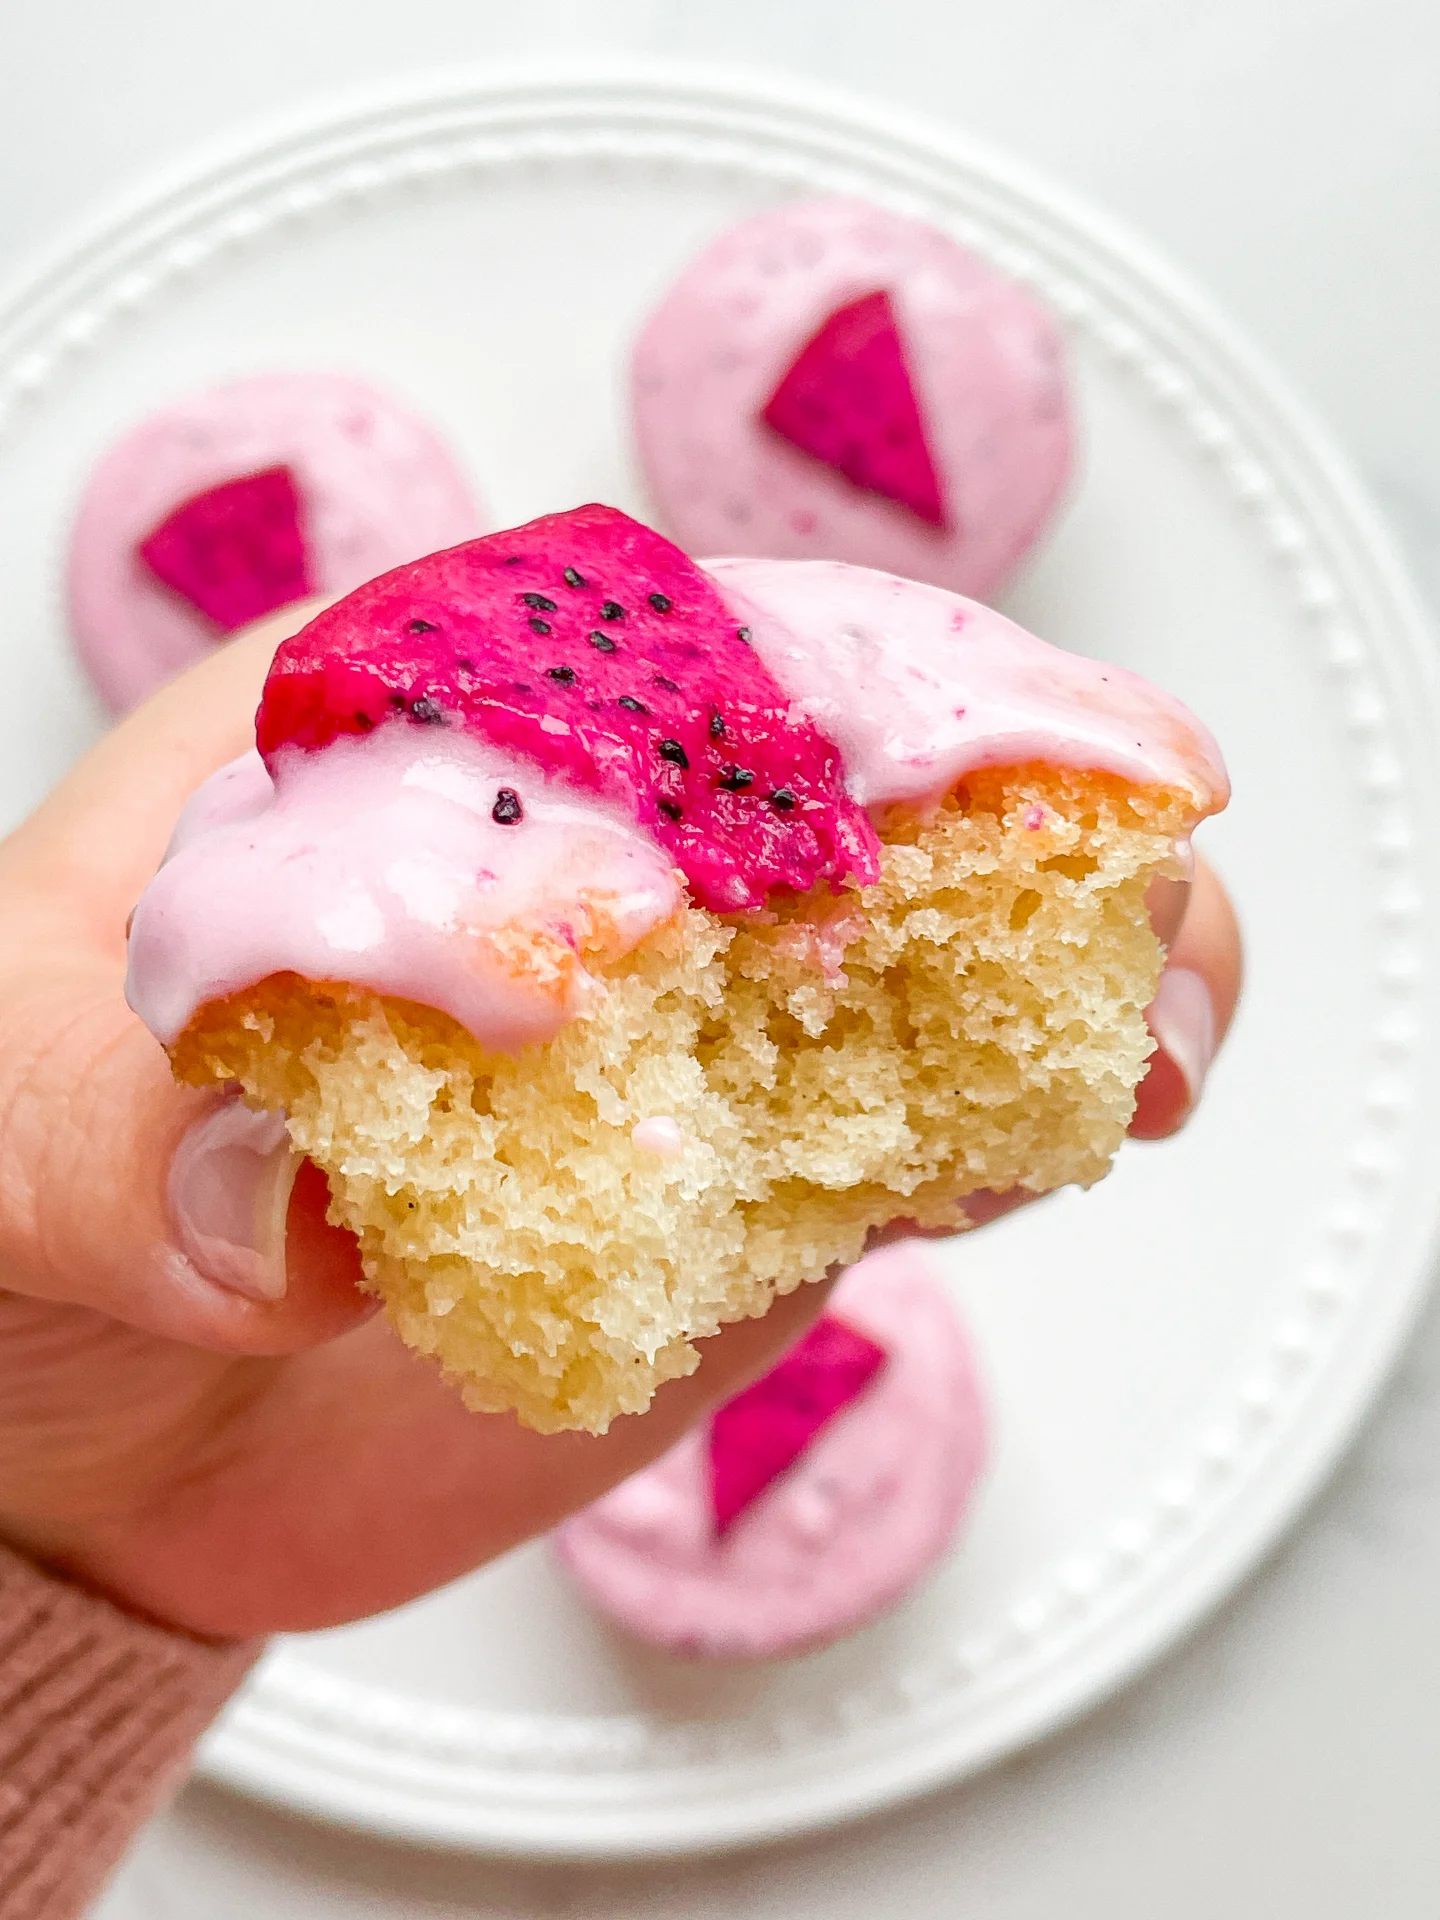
x,y
975,1020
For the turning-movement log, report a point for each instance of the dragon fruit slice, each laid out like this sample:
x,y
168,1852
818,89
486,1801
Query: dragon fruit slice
x,y
597,650
236,551
765,1429
848,400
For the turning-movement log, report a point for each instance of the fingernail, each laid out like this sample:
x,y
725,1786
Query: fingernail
x,y
1166,899
229,1193
1182,1019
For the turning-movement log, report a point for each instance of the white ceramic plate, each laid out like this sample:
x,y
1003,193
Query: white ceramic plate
x,y
1175,1358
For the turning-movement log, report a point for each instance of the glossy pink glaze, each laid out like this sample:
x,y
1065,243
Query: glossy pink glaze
x,y
918,687
662,1135
985,361
377,488
359,867
864,1512
594,648
378,861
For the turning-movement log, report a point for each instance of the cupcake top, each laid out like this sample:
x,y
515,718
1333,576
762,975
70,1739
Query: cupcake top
x,y
241,499
488,771
833,381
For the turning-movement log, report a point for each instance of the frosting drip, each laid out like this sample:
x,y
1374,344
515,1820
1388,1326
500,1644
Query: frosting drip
x,y
918,687
418,862
424,862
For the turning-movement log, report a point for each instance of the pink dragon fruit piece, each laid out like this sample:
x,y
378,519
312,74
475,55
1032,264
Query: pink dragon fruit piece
x,y
601,652
236,551
765,1429
848,400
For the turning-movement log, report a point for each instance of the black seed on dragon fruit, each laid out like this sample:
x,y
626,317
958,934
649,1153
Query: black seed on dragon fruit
x,y
722,734
742,634
537,625
507,808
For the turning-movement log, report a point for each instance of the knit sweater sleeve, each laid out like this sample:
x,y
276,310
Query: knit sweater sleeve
x,y
98,1713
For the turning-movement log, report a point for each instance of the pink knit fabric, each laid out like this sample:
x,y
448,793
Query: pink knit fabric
x,y
98,1713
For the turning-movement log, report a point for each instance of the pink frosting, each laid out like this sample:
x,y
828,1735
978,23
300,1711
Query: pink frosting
x,y
918,687
379,861
596,648
984,358
866,1510
376,486
662,1135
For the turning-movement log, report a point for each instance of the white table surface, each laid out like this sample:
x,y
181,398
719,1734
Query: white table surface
x,y
1287,154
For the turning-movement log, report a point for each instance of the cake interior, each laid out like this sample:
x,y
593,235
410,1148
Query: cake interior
x,y
975,1020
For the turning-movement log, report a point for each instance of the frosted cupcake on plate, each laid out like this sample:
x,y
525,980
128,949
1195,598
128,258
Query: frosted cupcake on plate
x,y
813,1501
833,381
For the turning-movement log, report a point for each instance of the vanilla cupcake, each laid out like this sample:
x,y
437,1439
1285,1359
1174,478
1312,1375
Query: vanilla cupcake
x,y
627,939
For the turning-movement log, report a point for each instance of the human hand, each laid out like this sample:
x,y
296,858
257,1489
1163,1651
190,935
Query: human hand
x,y
235,1465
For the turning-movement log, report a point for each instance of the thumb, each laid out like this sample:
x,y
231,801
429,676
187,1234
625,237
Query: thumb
x,y
170,1209
119,1190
